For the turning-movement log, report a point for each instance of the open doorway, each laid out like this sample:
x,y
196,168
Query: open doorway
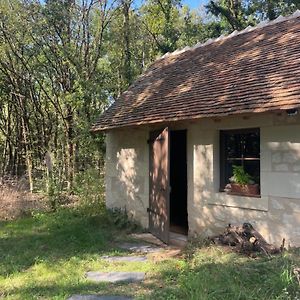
x,y
178,182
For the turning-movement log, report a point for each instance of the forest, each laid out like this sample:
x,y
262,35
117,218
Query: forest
x,y
63,62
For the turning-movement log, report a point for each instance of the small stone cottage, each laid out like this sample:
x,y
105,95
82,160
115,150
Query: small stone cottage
x,y
175,136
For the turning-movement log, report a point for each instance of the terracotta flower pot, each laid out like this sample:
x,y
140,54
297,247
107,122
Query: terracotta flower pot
x,y
244,189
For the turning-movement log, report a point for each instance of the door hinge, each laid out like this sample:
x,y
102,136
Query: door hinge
x,y
149,210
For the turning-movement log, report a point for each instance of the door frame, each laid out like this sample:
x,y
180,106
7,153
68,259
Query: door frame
x,y
186,175
150,142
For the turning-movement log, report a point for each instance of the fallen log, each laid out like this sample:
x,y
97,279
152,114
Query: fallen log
x,y
246,239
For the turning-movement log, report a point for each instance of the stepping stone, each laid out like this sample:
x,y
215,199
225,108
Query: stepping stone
x,y
125,258
140,248
115,277
148,238
95,297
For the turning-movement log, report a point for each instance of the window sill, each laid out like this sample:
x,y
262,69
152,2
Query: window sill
x,y
240,194
253,202
243,195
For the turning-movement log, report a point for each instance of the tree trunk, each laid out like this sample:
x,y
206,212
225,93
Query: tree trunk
x,y
28,157
70,149
126,35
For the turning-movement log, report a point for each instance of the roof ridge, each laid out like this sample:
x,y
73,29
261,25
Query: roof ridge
x,y
222,37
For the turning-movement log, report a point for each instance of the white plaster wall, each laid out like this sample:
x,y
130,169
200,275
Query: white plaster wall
x,y
277,213
127,179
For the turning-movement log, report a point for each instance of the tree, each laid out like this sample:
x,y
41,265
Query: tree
x,y
50,64
238,14
62,62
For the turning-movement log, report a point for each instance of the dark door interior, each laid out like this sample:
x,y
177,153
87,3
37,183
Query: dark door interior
x,y
159,184
178,182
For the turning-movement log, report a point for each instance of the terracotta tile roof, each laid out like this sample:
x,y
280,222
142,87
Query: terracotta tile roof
x,y
255,70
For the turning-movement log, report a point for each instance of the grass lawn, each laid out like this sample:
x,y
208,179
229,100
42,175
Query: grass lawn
x,y
46,256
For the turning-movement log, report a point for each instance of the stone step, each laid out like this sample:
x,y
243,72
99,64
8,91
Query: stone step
x,y
149,238
115,277
125,258
140,248
177,239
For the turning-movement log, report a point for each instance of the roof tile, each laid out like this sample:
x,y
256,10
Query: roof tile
x,y
255,70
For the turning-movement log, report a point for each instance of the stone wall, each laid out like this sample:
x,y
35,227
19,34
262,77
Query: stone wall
x,y
127,181
276,214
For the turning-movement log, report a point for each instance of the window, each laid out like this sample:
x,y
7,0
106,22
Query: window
x,y
241,148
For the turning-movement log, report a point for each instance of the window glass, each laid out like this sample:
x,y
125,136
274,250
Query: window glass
x,y
251,145
233,145
239,148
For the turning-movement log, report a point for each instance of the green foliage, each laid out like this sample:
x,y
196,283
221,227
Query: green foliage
x,y
89,188
63,62
237,15
54,193
271,9
231,12
240,176
121,220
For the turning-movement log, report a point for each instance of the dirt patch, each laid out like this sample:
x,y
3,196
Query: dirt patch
x,y
166,254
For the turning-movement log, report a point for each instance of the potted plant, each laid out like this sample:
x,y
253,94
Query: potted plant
x,y
242,183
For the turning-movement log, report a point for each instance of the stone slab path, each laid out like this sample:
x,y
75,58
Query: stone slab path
x,y
148,245
125,258
140,248
95,297
115,277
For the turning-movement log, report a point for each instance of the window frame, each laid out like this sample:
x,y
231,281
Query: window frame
x,y
224,159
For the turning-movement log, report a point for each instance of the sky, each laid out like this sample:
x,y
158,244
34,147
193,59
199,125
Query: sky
x,y
195,3
191,3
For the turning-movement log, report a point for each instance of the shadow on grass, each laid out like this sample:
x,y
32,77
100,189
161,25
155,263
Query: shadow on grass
x,y
52,237
236,277
58,291
232,277
208,274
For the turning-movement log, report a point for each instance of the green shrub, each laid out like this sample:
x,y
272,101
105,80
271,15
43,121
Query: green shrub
x,y
89,187
54,193
122,221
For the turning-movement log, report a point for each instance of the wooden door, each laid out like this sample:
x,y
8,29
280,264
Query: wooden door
x,y
159,184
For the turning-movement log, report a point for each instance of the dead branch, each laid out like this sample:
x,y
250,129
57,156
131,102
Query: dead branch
x,y
246,239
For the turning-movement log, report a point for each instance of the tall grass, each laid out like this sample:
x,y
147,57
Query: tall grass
x,y
215,274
